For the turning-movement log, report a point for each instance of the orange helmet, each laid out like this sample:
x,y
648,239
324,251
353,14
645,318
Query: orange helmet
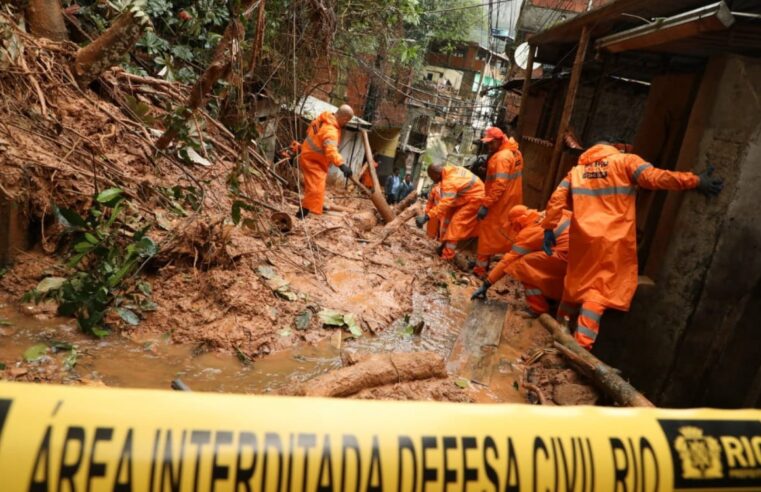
x,y
493,133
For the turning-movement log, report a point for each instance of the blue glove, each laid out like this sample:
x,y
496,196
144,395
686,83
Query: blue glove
x,y
421,220
481,292
549,241
482,212
709,185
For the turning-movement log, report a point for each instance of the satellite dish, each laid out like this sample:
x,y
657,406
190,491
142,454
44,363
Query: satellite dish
x,y
521,57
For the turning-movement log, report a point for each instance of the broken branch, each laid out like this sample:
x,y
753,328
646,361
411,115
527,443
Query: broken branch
x,y
603,375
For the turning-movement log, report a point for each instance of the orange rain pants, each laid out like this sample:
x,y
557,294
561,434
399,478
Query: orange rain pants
x,y
318,152
504,189
366,178
602,259
434,226
461,195
541,275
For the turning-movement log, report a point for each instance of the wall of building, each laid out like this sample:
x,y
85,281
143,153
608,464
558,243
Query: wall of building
x,y
693,338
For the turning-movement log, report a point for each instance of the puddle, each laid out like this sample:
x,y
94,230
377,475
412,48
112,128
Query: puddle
x,y
155,362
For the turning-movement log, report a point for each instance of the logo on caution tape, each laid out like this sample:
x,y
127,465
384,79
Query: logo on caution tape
x,y
723,454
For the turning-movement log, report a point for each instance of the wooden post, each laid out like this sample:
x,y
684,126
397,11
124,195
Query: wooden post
x,y
565,117
377,195
524,96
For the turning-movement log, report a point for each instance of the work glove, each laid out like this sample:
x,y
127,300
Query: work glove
x,y
346,170
421,220
708,185
481,292
549,241
482,212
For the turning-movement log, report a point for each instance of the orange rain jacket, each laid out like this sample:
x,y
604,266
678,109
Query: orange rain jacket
x,y
433,227
318,152
504,189
461,195
527,262
601,191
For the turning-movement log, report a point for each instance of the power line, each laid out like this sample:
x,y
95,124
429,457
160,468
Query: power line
x,y
465,7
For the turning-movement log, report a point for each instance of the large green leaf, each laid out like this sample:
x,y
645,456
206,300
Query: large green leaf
x,y
128,316
351,322
109,196
328,317
35,352
49,283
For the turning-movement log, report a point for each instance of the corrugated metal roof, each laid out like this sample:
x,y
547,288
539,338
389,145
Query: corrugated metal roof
x,y
310,107
744,37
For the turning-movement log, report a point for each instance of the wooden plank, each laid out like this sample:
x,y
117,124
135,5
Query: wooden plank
x,y
565,118
473,354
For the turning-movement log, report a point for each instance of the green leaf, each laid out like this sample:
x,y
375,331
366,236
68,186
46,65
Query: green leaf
x,y
108,197
70,360
90,238
462,383
83,247
5,322
128,316
69,218
49,283
74,260
99,332
303,319
60,346
351,323
328,317
35,352
144,287
286,293
2,366
146,247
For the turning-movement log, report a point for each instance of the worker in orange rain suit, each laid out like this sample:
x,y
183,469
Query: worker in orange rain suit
x,y
602,258
541,275
504,190
435,227
461,195
365,177
318,152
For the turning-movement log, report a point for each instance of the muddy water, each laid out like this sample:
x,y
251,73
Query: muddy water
x,y
154,362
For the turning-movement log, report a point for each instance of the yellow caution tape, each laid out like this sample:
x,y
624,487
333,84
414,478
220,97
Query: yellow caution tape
x,y
56,438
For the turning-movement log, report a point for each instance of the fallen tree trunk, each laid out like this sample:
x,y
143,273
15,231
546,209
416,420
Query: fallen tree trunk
x,y
406,202
603,375
110,47
394,225
376,195
377,370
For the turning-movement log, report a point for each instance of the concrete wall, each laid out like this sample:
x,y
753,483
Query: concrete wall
x,y
695,337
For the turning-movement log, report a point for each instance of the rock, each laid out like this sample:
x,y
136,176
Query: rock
x,y
575,394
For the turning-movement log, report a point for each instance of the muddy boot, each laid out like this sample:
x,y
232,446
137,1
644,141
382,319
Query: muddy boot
x,y
302,213
439,249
